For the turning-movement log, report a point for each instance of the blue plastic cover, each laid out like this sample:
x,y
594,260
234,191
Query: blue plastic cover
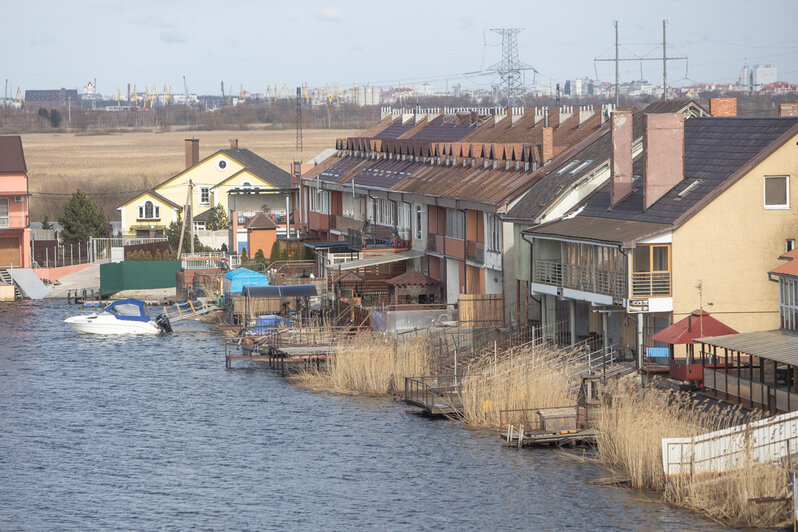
x,y
241,277
128,309
270,322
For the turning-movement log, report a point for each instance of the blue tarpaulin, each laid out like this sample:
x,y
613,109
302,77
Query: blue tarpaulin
x,y
237,279
270,322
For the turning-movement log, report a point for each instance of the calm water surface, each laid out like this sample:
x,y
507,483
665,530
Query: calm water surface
x,y
145,433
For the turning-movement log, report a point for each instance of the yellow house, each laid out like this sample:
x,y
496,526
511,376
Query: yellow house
x,y
692,222
217,179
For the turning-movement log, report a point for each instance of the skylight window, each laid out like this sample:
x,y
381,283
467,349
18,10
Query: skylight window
x,y
689,188
567,167
580,167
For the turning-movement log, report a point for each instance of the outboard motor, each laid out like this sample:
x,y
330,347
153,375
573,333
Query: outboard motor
x,y
163,323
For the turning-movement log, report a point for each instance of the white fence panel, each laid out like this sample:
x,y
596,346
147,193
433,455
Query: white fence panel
x,y
758,442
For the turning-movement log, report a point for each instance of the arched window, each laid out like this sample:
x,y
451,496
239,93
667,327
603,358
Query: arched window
x,y
148,210
246,184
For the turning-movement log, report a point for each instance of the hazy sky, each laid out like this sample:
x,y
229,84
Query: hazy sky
x,y
51,44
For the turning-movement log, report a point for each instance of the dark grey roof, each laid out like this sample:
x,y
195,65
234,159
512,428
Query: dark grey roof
x,y
597,148
296,290
48,95
12,157
261,167
598,230
778,345
714,149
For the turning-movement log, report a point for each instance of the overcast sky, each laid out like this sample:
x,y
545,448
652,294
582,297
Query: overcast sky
x,y
52,44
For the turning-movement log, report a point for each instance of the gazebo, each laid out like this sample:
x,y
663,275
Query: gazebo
x,y
415,287
698,324
348,285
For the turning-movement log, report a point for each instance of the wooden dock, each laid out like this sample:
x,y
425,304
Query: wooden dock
x,y
436,395
552,426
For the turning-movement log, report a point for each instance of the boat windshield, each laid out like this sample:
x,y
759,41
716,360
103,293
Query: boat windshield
x,y
128,309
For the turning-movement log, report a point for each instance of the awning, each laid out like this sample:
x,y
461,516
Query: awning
x,y
775,345
292,290
699,323
375,259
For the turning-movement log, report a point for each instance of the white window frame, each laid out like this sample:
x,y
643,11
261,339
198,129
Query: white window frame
x,y
786,179
156,211
420,221
204,195
5,219
790,245
494,233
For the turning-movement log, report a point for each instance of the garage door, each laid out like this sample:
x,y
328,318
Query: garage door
x,y
9,252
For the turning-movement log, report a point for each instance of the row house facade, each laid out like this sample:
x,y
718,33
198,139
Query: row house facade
x,y
14,219
688,221
439,182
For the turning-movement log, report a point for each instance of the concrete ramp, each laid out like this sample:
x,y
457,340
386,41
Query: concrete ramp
x,y
29,283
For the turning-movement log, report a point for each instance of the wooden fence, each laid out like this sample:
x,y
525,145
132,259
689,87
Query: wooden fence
x,y
481,310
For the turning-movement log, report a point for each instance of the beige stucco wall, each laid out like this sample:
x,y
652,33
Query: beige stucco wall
x,y
732,243
206,173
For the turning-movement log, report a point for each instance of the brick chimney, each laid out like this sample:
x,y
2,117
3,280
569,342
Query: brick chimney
x,y
547,145
663,144
233,144
723,106
621,158
192,152
788,109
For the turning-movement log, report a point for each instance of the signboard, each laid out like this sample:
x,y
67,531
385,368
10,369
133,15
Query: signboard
x,y
638,305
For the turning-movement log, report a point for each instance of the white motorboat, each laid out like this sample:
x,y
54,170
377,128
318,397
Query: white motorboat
x,y
127,316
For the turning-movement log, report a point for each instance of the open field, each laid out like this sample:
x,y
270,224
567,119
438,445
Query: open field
x,y
115,167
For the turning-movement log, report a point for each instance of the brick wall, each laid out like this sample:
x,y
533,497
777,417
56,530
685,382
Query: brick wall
x,y
723,106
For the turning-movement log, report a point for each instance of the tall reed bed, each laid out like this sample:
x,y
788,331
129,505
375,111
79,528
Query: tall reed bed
x,y
533,377
630,443
369,364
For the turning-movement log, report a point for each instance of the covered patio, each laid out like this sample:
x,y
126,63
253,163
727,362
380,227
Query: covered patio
x,y
758,369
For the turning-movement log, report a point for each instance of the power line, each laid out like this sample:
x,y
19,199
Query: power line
x,y
510,67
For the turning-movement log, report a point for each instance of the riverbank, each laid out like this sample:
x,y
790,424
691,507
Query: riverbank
x,y
631,423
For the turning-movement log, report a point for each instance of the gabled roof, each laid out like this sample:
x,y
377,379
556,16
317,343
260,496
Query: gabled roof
x,y
12,157
697,324
155,195
412,278
261,167
261,221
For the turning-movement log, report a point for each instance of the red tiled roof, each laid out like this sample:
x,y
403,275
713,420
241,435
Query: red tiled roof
x,y
792,254
261,221
412,278
12,158
788,268
698,324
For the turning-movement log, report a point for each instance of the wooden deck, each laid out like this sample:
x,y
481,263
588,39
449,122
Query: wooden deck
x,y
538,437
437,395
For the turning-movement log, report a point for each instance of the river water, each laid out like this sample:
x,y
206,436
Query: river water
x,y
153,432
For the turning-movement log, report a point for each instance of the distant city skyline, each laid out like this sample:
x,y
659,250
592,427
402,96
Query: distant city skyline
x,y
255,45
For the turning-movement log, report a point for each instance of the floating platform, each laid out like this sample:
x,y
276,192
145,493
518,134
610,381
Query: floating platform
x,y
540,438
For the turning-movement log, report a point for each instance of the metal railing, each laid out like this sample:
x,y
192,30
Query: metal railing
x,y
547,272
475,251
651,284
588,279
14,221
433,391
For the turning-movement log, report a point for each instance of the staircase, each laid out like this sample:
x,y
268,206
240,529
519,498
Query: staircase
x,y
5,278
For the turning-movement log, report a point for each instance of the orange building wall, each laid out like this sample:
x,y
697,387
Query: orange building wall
x,y
262,239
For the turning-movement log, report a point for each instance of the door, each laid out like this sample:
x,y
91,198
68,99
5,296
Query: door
x,y
9,252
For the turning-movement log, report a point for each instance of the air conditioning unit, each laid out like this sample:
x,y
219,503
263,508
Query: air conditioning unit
x,y
19,199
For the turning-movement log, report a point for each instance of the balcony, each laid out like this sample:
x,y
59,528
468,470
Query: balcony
x,y
14,221
344,223
547,272
435,243
475,251
553,272
651,284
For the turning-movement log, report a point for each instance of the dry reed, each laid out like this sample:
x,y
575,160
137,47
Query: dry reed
x,y
629,442
369,364
533,377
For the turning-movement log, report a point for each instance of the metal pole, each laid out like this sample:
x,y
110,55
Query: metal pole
x,y
617,71
606,344
664,64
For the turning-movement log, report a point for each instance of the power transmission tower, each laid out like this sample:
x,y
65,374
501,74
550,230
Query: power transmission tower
x,y
617,60
511,91
299,119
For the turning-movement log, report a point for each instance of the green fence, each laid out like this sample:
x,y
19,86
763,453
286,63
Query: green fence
x,y
138,275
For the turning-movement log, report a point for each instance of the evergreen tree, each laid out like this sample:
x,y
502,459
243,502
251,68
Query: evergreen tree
x,y
244,256
82,219
217,219
260,257
46,223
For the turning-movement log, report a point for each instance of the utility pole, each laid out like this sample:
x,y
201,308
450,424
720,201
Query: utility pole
x,y
299,120
191,213
664,60
183,225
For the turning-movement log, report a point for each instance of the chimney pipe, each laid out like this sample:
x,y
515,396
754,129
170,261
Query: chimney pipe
x,y
233,144
621,157
547,145
723,106
663,144
192,152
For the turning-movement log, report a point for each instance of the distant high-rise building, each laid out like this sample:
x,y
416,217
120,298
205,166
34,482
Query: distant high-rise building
x,y
753,78
367,95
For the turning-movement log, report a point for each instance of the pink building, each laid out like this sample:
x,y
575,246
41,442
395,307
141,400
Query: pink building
x,y
14,222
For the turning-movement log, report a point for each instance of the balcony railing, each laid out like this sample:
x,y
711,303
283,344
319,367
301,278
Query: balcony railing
x,y
651,284
583,278
475,251
14,221
548,272
435,243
